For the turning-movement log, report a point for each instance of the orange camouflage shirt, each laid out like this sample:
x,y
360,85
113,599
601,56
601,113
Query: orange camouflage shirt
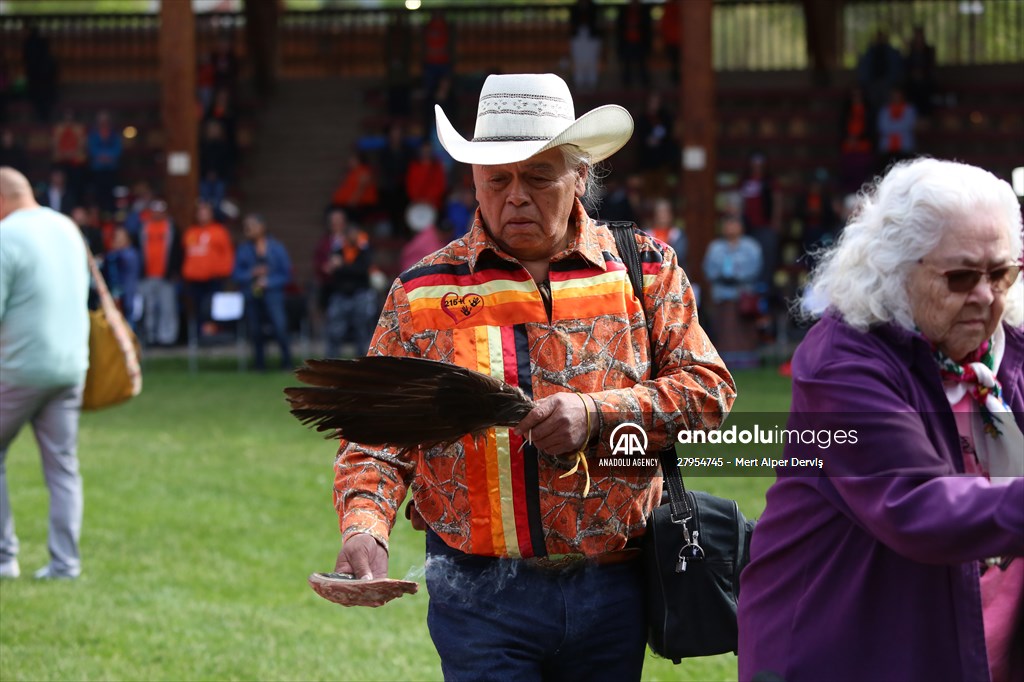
x,y
473,305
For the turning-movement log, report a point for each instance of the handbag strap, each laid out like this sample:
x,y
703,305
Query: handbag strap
x,y
126,339
679,501
97,277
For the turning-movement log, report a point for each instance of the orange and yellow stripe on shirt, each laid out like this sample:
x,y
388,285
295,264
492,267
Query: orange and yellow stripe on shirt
x,y
505,513
446,296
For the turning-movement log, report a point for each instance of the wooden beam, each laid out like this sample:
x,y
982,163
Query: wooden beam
x,y
822,29
697,115
178,109
261,17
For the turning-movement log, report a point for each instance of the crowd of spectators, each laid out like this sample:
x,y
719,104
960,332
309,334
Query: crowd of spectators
x,y
401,166
893,92
89,149
398,183
636,35
163,276
787,225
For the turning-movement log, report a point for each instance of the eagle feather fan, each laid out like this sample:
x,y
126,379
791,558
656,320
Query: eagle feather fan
x,y
402,402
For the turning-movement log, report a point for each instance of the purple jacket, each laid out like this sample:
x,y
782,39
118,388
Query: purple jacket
x,y
869,570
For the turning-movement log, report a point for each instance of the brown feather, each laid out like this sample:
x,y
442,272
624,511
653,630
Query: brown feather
x,y
402,402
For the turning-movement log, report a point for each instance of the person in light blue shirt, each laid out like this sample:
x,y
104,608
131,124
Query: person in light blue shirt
x,y
44,355
732,262
732,265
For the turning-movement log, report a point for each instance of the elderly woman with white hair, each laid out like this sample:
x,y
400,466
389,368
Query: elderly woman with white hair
x,y
900,557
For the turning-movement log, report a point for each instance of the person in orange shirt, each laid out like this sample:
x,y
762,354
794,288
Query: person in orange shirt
x,y
159,296
856,152
425,180
209,258
69,150
357,192
664,226
438,47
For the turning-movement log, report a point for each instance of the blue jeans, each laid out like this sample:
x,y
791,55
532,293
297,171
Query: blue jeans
x,y
498,619
270,307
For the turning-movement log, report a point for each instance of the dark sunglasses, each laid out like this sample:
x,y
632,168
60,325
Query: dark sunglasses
x,y
964,280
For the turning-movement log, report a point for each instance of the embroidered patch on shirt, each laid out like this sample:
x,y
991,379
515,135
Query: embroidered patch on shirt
x,y
461,307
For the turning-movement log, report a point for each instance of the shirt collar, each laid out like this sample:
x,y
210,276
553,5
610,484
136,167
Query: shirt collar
x,y
586,242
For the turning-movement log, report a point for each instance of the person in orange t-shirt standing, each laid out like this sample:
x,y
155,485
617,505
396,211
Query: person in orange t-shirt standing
x,y
69,150
159,295
425,179
438,48
357,192
209,260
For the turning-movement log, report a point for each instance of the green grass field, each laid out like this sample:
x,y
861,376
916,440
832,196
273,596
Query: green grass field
x,y
206,506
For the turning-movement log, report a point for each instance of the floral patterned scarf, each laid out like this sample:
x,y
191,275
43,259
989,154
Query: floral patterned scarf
x,y
998,440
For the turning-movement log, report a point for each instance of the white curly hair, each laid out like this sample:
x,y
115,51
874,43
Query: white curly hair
x,y
899,220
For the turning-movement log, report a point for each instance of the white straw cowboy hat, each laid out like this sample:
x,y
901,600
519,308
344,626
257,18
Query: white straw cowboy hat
x,y
520,115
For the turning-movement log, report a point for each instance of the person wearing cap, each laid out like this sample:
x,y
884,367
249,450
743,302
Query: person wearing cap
x,y
425,180
532,572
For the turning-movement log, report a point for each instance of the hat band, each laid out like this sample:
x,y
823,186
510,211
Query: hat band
x,y
511,138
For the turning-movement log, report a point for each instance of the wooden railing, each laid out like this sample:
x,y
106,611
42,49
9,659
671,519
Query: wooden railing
x,y
108,47
748,35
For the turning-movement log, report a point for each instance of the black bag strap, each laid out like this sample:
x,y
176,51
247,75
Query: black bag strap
x,y
679,501
625,242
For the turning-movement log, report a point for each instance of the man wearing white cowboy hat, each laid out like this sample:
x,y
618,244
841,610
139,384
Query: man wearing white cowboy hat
x,y
531,571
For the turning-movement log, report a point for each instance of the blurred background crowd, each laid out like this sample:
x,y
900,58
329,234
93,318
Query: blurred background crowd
x,y
315,194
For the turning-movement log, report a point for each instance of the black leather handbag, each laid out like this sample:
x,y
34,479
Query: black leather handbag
x,y
694,549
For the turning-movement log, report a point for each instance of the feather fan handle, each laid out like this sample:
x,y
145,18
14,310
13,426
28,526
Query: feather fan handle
x,y
402,402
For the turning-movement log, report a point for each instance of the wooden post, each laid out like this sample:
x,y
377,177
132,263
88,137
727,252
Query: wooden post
x,y
697,114
178,110
822,29
261,43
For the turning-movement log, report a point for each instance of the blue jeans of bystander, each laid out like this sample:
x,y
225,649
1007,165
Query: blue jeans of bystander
x,y
264,309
